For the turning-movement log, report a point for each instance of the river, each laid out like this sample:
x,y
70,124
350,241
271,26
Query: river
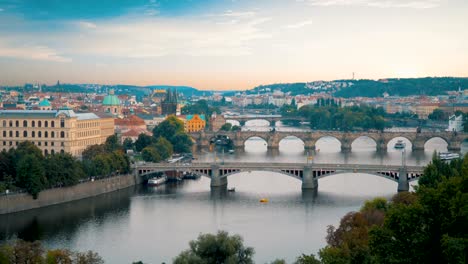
x,y
155,224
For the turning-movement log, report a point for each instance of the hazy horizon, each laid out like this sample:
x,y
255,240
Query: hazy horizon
x,y
229,44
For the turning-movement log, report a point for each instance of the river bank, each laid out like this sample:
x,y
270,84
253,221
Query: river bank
x,y
23,201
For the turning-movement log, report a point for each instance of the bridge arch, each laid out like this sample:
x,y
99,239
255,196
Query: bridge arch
x,y
365,141
333,143
266,121
392,141
296,143
437,143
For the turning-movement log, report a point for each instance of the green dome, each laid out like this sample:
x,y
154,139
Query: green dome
x,y
111,100
44,103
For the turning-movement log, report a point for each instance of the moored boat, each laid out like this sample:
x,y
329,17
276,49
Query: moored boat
x,y
155,181
448,156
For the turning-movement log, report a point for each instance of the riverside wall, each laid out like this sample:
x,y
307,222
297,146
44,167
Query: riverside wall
x,y
23,201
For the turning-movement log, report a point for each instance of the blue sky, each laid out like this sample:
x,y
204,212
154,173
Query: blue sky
x,y
229,44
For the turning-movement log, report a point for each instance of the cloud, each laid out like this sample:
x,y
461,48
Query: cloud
x,y
158,37
86,24
32,52
416,4
299,25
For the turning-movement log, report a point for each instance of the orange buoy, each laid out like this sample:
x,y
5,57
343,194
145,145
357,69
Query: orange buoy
x,y
264,200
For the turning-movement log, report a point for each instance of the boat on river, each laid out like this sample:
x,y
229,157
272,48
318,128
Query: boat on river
x,y
399,144
232,189
156,181
448,156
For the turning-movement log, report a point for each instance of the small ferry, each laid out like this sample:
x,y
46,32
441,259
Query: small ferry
x,y
156,181
231,151
448,156
232,189
399,145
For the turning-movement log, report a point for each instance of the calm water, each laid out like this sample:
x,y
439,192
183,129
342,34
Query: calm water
x,y
155,224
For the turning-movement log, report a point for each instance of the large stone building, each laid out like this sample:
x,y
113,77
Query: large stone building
x,y
217,121
54,131
195,123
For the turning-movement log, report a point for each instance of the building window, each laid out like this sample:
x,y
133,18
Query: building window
x,y
62,134
52,123
16,143
4,123
11,133
33,123
46,152
62,151
39,123
10,123
33,134
25,133
52,152
25,123
39,134
46,134
52,143
52,134
39,143
4,133
4,143
46,123
17,123
62,144
11,143
45,143
62,122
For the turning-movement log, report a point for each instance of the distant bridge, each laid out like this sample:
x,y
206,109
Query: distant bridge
x,y
309,138
309,174
272,119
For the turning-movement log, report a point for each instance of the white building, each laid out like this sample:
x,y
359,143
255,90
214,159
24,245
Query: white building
x,y
455,123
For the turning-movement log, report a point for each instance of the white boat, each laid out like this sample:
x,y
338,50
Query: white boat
x,y
155,181
400,144
231,151
448,156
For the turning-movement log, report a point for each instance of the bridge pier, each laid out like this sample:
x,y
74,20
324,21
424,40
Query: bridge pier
x,y
454,146
382,145
418,144
345,147
403,184
308,180
216,179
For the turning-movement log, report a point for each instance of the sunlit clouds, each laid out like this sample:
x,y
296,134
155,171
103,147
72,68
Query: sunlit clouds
x,y
236,45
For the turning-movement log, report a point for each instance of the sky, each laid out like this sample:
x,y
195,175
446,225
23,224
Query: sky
x,y
229,44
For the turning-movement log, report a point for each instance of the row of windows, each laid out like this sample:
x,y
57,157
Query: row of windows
x,y
88,124
88,133
33,134
32,123
39,143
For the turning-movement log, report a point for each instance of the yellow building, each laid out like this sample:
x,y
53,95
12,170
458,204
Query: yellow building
x,y
425,109
195,123
54,131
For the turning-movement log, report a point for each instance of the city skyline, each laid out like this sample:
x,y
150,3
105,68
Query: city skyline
x,y
235,45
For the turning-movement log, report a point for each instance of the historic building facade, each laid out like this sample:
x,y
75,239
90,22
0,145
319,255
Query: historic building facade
x,y
195,123
54,131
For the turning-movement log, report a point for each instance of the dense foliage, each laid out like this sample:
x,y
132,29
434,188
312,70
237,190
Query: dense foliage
x,y
230,127
328,114
25,167
219,248
34,252
200,107
403,87
428,226
172,129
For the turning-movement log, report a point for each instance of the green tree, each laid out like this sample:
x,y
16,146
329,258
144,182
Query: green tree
x,y
58,256
150,154
214,249
226,127
112,143
307,259
63,170
438,115
164,148
236,128
31,174
127,144
143,141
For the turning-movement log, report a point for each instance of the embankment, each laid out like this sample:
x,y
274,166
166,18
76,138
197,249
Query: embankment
x,y
23,201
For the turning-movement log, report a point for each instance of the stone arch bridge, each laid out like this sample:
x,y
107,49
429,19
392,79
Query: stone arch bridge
x,y
309,174
418,140
272,119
